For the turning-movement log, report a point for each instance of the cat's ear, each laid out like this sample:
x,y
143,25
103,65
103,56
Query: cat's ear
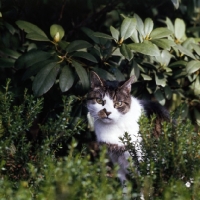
x,y
95,80
127,84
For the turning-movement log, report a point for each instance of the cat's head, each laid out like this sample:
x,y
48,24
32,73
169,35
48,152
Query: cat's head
x,y
108,100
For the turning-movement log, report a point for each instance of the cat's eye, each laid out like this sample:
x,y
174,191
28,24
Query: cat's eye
x,y
99,101
118,104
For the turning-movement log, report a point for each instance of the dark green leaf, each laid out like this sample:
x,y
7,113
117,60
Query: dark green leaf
x,y
176,3
36,36
119,76
135,70
90,34
193,66
160,33
6,62
160,97
31,57
104,74
85,55
31,28
145,48
66,78
168,92
82,75
77,44
10,53
126,52
45,79
35,68
128,27
115,33
103,35
178,64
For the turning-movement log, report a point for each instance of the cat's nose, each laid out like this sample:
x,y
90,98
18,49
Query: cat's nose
x,y
107,113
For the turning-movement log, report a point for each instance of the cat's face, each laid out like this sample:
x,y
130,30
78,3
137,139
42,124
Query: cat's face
x,y
108,100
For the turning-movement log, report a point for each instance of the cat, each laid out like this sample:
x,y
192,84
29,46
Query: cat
x,y
115,111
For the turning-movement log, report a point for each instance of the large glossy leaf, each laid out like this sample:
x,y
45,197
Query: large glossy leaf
x,y
193,66
66,78
85,55
104,74
127,28
103,35
82,75
148,26
164,43
36,36
126,52
160,33
184,51
35,68
6,62
31,57
140,25
31,28
77,45
160,97
90,34
146,48
164,58
45,79
179,28
115,33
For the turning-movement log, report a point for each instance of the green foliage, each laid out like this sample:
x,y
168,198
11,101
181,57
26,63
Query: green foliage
x,y
170,164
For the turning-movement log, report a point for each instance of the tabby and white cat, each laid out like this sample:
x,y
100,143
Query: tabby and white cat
x,y
115,112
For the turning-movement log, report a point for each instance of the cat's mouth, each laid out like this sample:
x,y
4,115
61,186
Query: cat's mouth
x,y
106,119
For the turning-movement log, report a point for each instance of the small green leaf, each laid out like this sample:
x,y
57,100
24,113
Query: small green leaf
x,y
77,45
169,24
160,79
126,52
31,28
66,78
164,43
103,35
146,48
193,66
31,57
135,70
178,64
160,33
196,48
54,29
176,3
85,55
148,26
179,28
119,76
128,27
168,92
160,97
146,77
196,86
82,74
115,33
36,37
45,79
